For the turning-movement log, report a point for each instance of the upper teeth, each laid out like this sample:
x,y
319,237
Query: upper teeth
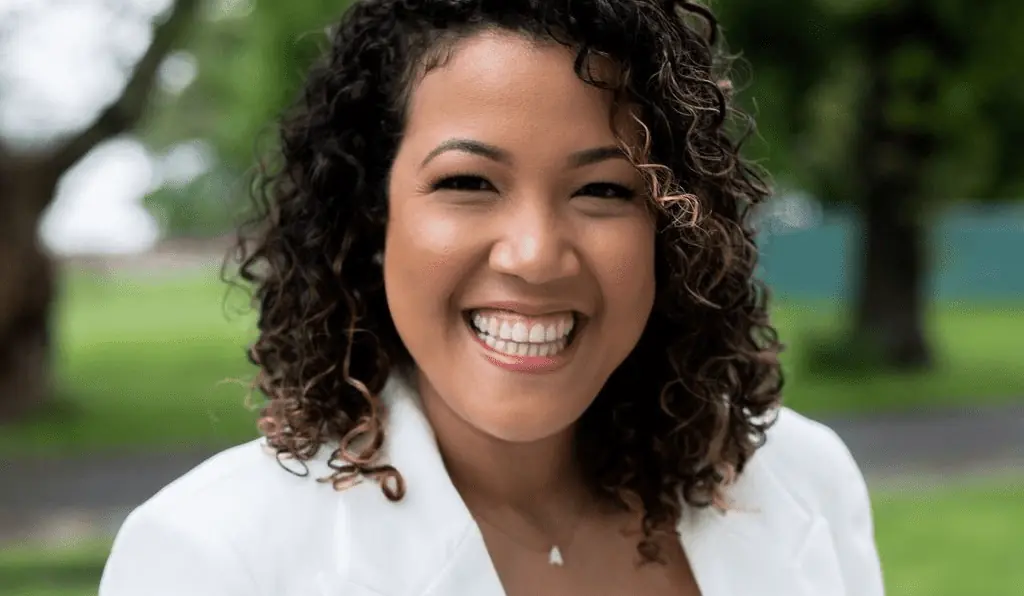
x,y
515,328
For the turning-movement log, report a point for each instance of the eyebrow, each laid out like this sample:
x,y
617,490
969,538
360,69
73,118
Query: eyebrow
x,y
591,156
576,160
469,146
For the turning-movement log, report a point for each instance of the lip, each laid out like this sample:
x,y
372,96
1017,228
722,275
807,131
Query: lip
x,y
527,364
530,309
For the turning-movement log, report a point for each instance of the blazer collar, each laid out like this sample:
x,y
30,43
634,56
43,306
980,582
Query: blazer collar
x,y
428,544
759,545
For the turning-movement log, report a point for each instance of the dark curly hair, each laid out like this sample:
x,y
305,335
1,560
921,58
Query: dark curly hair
x,y
687,408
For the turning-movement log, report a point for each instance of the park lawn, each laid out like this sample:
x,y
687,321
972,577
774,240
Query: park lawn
x,y
942,542
157,362
953,541
979,351
143,364
67,570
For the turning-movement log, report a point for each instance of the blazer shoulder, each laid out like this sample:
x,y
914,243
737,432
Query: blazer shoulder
x,y
248,469
207,532
817,469
811,459
232,492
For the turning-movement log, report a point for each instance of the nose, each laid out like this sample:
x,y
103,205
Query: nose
x,y
536,246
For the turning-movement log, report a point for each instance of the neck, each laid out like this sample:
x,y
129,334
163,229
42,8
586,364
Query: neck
x,y
492,473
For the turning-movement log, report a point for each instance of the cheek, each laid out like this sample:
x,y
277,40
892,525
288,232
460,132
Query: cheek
x,y
418,244
425,262
625,261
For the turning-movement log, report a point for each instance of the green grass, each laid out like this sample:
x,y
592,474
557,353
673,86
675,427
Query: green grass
x,y
953,541
147,363
978,360
942,542
68,570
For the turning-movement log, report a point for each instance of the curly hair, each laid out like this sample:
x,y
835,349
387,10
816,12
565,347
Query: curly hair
x,y
681,416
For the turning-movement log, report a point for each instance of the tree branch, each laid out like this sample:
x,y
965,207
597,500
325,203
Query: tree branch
x,y
122,115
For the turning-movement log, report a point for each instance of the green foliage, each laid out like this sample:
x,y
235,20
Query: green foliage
x,y
250,66
951,69
202,208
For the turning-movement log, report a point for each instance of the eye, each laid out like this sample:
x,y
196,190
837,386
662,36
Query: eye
x,y
464,184
606,190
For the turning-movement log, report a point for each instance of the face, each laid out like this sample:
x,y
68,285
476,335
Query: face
x,y
519,259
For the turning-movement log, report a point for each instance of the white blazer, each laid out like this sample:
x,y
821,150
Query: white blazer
x,y
238,525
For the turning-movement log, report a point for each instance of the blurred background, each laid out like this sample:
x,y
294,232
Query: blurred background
x,y
894,249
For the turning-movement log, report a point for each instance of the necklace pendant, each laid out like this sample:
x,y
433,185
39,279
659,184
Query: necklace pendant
x,y
555,557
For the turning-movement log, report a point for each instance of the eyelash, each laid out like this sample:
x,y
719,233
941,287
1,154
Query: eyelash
x,y
470,183
463,183
617,191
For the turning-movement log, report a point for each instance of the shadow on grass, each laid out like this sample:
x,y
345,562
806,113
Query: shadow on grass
x,y
60,408
845,359
60,411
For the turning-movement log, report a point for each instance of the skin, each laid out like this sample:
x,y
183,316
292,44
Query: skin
x,y
530,225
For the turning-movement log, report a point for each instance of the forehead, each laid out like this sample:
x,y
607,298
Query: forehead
x,y
498,83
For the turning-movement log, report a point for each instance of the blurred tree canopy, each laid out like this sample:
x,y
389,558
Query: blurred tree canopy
x,y
895,108
949,71
250,60
891,107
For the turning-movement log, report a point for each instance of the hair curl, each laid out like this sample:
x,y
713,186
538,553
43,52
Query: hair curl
x,y
688,407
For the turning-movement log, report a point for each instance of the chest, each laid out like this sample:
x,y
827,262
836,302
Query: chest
x,y
602,562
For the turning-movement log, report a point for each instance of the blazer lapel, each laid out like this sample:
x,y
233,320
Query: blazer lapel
x,y
425,544
766,543
468,571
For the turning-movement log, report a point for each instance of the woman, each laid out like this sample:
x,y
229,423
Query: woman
x,y
510,335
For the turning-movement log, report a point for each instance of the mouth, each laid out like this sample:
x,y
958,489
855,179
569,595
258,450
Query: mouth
x,y
522,337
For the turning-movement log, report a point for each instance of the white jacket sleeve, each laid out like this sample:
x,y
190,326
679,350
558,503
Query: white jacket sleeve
x,y
153,555
853,533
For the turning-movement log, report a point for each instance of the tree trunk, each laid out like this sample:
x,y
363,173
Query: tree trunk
x,y
889,172
891,301
25,383
26,294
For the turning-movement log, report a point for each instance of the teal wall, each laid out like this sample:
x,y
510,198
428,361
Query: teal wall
x,y
977,255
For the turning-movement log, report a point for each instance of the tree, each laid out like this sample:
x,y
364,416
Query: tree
x,y
27,186
894,107
250,64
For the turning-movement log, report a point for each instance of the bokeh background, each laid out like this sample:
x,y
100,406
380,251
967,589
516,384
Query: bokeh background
x,y
894,248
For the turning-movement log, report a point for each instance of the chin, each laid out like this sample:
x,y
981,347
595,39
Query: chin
x,y
512,398
522,417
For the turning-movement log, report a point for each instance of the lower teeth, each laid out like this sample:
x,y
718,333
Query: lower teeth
x,y
521,348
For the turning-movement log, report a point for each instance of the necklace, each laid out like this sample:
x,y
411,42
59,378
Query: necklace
x,y
554,552
555,557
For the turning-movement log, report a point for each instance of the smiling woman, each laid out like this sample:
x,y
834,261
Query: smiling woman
x,y
485,221
508,317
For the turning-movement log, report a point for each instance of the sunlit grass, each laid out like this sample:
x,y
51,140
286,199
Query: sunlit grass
x,y
145,362
953,541
151,362
941,542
